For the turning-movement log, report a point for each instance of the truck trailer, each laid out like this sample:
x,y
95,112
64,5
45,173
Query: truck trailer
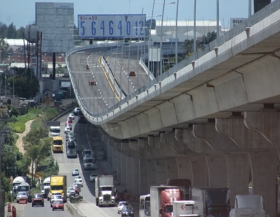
x,y
58,184
46,186
104,190
212,201
187,208
161,198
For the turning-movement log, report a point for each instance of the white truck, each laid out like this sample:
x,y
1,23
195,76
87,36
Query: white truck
x,y
211,201
46,186
248,205
54,131
16,182
187,208
104,190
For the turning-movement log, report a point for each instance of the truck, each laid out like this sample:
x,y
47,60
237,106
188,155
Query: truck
x,y
188,208
104,190
186,183
24,186
212,201
161,198
145,206
54,131
16,182
248,205
58,185
46,186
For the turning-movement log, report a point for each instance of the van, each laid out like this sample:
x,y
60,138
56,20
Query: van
x,y
57,144
88,163
54,131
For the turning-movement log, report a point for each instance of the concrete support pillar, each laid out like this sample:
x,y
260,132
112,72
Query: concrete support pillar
x,y
143,177
151,172
171,168
217,170
161,175
129,172
110,144
184,168
199,168
123,170
115,162
135,177
238,175
264,167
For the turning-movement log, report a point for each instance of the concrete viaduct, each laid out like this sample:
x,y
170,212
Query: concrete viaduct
x,y
215,121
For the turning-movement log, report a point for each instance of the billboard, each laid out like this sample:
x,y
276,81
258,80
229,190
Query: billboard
x,y
56,22
104,26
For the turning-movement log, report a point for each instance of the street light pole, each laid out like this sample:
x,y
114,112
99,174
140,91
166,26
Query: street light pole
x,y
218,29
160,72
176,34
194,29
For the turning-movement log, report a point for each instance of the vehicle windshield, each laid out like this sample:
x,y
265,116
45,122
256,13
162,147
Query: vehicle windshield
x,y
106,188
59,187
57,142
71,144
55,130
21,193
46,184
88,160
168,209
86,153
38,196
58,202
23,188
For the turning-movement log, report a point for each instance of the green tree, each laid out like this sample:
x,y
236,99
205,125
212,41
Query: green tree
x,y
24,83
4,46
211,36
11,31
3,30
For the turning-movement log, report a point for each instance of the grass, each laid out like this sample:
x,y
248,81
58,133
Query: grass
x,y
39,115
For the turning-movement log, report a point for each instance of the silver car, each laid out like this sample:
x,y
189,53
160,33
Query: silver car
x,y
71,153
21,195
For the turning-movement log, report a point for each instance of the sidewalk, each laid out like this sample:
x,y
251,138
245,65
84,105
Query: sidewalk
x,y
19,209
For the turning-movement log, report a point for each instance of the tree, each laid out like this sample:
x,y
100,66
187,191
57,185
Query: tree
x,y
24,83
4,46
37,148
211,36
11,31
3,30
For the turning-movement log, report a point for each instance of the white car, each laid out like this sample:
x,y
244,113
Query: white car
x,y
56,197
79,181
70,191
89,164
72,116
87,153
75,172
67,129
92,177
76,110
121,205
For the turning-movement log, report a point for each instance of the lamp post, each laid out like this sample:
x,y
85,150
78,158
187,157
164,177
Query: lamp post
x,y
194,29
218,29
176,34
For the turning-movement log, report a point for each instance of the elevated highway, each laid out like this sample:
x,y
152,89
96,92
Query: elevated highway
x,y
213,118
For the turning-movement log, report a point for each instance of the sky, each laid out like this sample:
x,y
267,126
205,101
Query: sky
x,y
22,13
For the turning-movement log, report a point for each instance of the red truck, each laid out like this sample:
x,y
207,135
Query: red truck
x,y
162,198
186,183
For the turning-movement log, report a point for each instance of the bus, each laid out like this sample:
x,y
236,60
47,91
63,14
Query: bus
x,y
57,144
145,206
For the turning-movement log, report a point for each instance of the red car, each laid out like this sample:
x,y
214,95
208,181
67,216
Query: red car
x,y
57,204
38,199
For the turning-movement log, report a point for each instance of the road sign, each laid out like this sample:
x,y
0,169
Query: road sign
x,y
112,25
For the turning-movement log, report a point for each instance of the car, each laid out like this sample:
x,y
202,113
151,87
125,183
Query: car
x,y
88,163
76,110
78,177
72,116
122,204
67,129
71,153
57,204
70,135
93,176
87,153
21,195
79,181
70,191
75,172
127,211
57,197
69,125
38,199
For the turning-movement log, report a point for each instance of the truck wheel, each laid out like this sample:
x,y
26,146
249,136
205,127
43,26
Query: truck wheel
x,y
96,202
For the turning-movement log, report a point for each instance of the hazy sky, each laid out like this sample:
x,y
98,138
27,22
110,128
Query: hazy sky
x,y
22,13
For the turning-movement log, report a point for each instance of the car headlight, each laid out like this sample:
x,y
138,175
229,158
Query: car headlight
x,y
113,197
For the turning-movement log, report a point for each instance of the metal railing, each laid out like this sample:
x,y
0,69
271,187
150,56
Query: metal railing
x,y
252,20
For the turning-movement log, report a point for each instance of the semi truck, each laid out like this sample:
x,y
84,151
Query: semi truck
x,y
211,201
161,198
186,183
104,190
16,182
58,185
46,186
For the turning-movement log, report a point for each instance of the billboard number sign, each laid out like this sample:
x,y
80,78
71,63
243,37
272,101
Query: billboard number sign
x,y
112,26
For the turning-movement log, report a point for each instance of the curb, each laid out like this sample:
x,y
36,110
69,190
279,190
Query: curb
x,y
74,211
